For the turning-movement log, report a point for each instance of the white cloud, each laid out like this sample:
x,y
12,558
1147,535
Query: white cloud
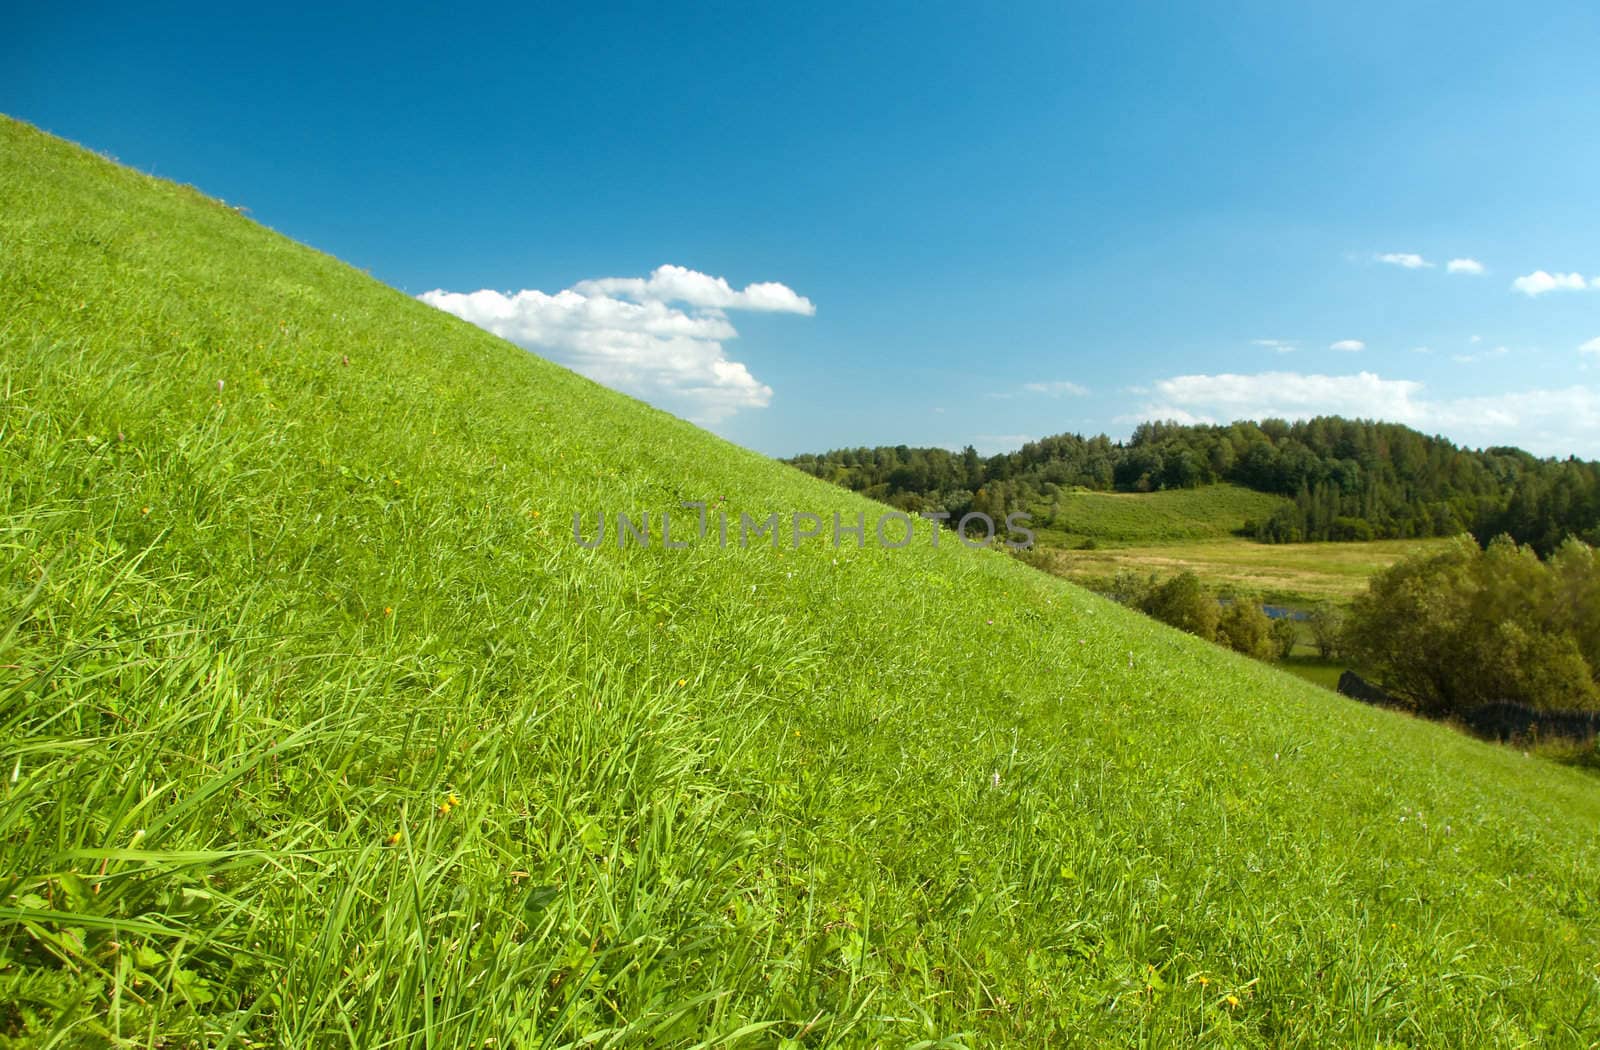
x,y
1548,422
621,331
1168,413
1290,395
1409,260
1422,349
1539,282
677,284
1591,347
994,444
1056,388
1467,266
1282,346
1348,346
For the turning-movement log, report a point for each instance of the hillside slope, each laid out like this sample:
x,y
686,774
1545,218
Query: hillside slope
x,y
1143,518
317,727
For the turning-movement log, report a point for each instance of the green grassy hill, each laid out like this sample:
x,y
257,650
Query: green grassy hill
x,y
317,728
1174,515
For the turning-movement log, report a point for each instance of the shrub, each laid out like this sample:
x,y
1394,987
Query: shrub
x,y
1326,623
1245,628
1184,604
1350,529
1133,589
1284,637
1451,631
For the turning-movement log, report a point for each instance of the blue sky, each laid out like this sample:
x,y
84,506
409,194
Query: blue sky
x,y
965,223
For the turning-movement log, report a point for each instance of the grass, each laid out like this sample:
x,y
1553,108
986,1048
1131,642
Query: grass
x,y
1296,574
1124,518
1314,669
286,567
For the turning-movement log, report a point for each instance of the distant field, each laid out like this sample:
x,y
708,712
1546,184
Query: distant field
x,y
1289,573
1130,518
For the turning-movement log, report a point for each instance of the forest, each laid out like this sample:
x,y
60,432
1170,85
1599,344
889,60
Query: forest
x,y
1343,479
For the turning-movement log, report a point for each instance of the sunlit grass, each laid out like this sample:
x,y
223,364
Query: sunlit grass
x,y
316,728
1115,519
1299,574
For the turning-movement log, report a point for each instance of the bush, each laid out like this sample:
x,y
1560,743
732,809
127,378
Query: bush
x,y
1452,631
1182,603
1350,530
1133,589
1326,623
1284,637
1245,628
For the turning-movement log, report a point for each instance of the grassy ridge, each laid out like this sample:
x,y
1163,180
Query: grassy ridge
x,y
1137,518
265,635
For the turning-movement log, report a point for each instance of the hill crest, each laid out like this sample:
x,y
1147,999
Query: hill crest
x,y
321,728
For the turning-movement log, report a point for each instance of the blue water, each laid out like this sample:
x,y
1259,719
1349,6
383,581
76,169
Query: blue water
x,y
1277,612
1274,612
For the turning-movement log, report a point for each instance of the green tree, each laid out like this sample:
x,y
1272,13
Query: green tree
x,y
1133,588
1184,604
1284,637
1245,628
1450,631
1326,623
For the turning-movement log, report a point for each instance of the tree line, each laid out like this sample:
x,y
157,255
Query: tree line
x,y
1342,479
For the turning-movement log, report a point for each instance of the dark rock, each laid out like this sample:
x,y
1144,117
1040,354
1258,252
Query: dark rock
x,y
1358,688
1506,720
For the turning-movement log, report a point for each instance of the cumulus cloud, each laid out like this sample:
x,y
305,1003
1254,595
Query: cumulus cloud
x,y
626,333
1539,282
1549,422
677,284
1349,346
1286,395
1056,388
1467,266
1591,347
1408,260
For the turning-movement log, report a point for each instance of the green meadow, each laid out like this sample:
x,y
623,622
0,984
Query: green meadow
x,y
1116,519
317,728
1297,574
